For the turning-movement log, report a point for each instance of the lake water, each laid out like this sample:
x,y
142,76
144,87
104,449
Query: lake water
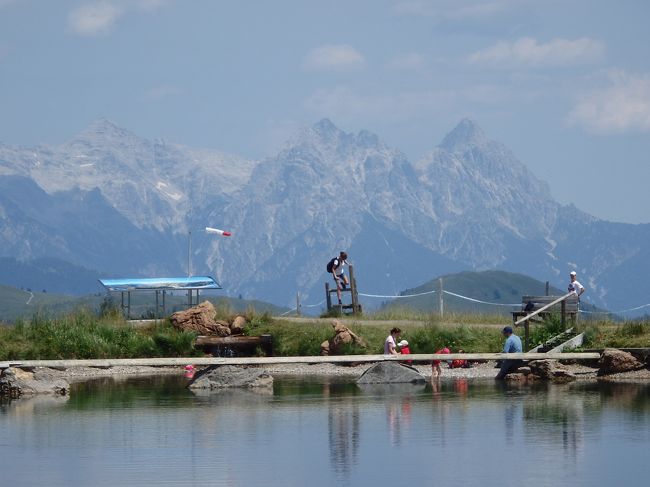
x,y
315,432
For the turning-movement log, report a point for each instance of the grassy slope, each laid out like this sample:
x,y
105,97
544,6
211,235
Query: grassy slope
x,y
490,286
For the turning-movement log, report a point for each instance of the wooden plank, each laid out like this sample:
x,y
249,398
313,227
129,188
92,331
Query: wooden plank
x,y
571,302
542,309
179,361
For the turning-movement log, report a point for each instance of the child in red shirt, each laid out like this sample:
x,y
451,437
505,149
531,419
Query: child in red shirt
x,y
435,364
404,349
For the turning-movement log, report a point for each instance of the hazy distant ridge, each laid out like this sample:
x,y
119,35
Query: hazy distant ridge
x,y
111,201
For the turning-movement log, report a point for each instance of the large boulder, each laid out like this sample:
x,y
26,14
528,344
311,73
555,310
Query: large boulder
x,y
613,361
342,336
227,376
200,318
17,382
237,325
391,373
550,370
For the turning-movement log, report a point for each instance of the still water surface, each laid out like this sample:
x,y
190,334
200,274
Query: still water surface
x,y
315,432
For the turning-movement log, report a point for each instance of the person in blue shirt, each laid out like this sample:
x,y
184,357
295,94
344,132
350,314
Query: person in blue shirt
x,y
511,345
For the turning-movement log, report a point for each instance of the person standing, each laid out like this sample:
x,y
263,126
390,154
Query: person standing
x,y
511,345
337,267
574,285
436,371
389,343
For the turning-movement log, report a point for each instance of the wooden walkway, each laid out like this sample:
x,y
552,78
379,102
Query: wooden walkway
x,y
171,362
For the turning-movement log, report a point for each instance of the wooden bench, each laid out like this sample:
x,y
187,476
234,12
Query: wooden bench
x,y
568,307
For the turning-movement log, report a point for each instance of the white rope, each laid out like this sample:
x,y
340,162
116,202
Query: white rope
x,y
478,300
395,297
615,312
302,306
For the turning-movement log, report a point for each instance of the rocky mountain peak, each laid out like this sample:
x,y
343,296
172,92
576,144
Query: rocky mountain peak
x,y
325,127
466,134
102,132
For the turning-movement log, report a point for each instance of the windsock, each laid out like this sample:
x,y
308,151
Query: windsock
x,y
223,233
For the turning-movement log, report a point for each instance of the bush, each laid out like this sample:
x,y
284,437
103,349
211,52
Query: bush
x,y
84,336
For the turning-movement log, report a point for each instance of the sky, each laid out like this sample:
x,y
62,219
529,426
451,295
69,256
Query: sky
x,y
565,84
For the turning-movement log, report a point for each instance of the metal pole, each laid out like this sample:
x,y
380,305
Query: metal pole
x,y
547,289
189,253
441,302
298,303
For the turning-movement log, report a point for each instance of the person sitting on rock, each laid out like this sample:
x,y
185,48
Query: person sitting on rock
x,y
389,343
511,345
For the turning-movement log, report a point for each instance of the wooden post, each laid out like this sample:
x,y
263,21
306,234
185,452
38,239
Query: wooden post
x,y
563,307
441,301
526,339
353,291
327,296
547,289
298,303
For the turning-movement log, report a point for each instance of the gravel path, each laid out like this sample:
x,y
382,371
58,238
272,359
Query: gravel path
x,y
478,371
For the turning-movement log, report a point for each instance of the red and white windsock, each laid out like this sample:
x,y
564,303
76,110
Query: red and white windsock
x,y
223,233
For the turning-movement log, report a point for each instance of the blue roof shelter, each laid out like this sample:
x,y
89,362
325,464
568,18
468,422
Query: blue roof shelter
x,y
160,285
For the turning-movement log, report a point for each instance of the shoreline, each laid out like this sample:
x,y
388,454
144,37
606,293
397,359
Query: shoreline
x,y
480,371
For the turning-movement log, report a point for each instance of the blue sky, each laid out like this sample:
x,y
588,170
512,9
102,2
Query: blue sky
x,y
564,84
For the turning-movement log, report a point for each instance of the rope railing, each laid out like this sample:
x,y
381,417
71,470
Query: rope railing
x,y
479,301
620,312
395,296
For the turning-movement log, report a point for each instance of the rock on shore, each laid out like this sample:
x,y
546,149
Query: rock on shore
x,y
228,376
17,382
391,373
613,361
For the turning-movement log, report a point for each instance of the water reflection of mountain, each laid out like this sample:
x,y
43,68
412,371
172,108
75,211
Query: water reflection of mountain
x,y
565,414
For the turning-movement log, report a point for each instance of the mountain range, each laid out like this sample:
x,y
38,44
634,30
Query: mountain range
x,y
118,205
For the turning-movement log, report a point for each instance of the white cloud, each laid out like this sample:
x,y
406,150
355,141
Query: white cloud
x,y
455,9
623,106
411,60
94,19
528,52
100,17
333,57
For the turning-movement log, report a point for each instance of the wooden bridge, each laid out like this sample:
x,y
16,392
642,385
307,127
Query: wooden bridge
x,y
309,359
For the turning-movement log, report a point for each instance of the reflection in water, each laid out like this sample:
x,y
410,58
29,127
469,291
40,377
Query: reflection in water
x,y
343,420
154,431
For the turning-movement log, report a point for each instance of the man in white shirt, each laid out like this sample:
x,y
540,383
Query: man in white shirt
x,y
575,286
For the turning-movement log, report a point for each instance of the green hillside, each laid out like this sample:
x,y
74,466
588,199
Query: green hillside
x,y
497,287
17,303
